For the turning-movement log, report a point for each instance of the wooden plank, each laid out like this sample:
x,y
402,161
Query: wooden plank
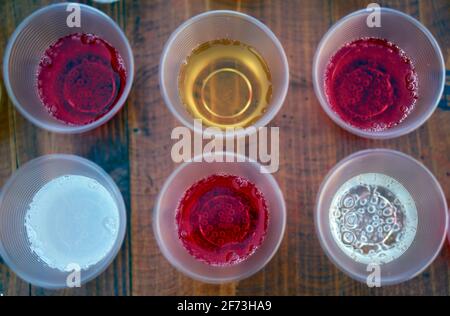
x,y
10,284
435,152
107,146
135,149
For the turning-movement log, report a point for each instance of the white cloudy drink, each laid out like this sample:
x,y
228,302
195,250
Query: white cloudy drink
x,y
72,220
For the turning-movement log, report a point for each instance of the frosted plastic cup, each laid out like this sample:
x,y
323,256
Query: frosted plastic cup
x,y
411,36
166,231
15,197
431,205
29,42
214,25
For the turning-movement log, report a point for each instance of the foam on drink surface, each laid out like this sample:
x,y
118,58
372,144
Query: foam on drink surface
x,y
373,218
72,220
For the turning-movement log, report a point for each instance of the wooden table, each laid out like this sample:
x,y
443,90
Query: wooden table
x,y
134,148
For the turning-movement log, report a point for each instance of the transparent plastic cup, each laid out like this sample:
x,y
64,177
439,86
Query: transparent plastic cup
x,y
15,198
411,36
214,25
166,232
430,202
29,42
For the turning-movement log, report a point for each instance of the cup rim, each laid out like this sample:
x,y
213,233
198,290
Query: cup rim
x,y
168,255
69,129
319,200
273,108
109,258
386,134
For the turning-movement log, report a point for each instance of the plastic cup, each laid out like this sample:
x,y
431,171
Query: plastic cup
x,y
214,25
166,231
411,36
15,198
431,205
29,42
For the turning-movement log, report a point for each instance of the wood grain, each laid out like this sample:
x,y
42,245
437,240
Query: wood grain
x,y
135,146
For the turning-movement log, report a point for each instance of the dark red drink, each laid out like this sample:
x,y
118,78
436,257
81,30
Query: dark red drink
x,y
80,78
222,219
371,84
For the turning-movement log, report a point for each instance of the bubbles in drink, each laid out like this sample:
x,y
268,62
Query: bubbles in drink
x,y
80,78
373,218
371,84
222,219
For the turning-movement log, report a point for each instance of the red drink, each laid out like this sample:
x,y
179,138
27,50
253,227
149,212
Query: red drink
x,y
371,84
80,78
222,219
